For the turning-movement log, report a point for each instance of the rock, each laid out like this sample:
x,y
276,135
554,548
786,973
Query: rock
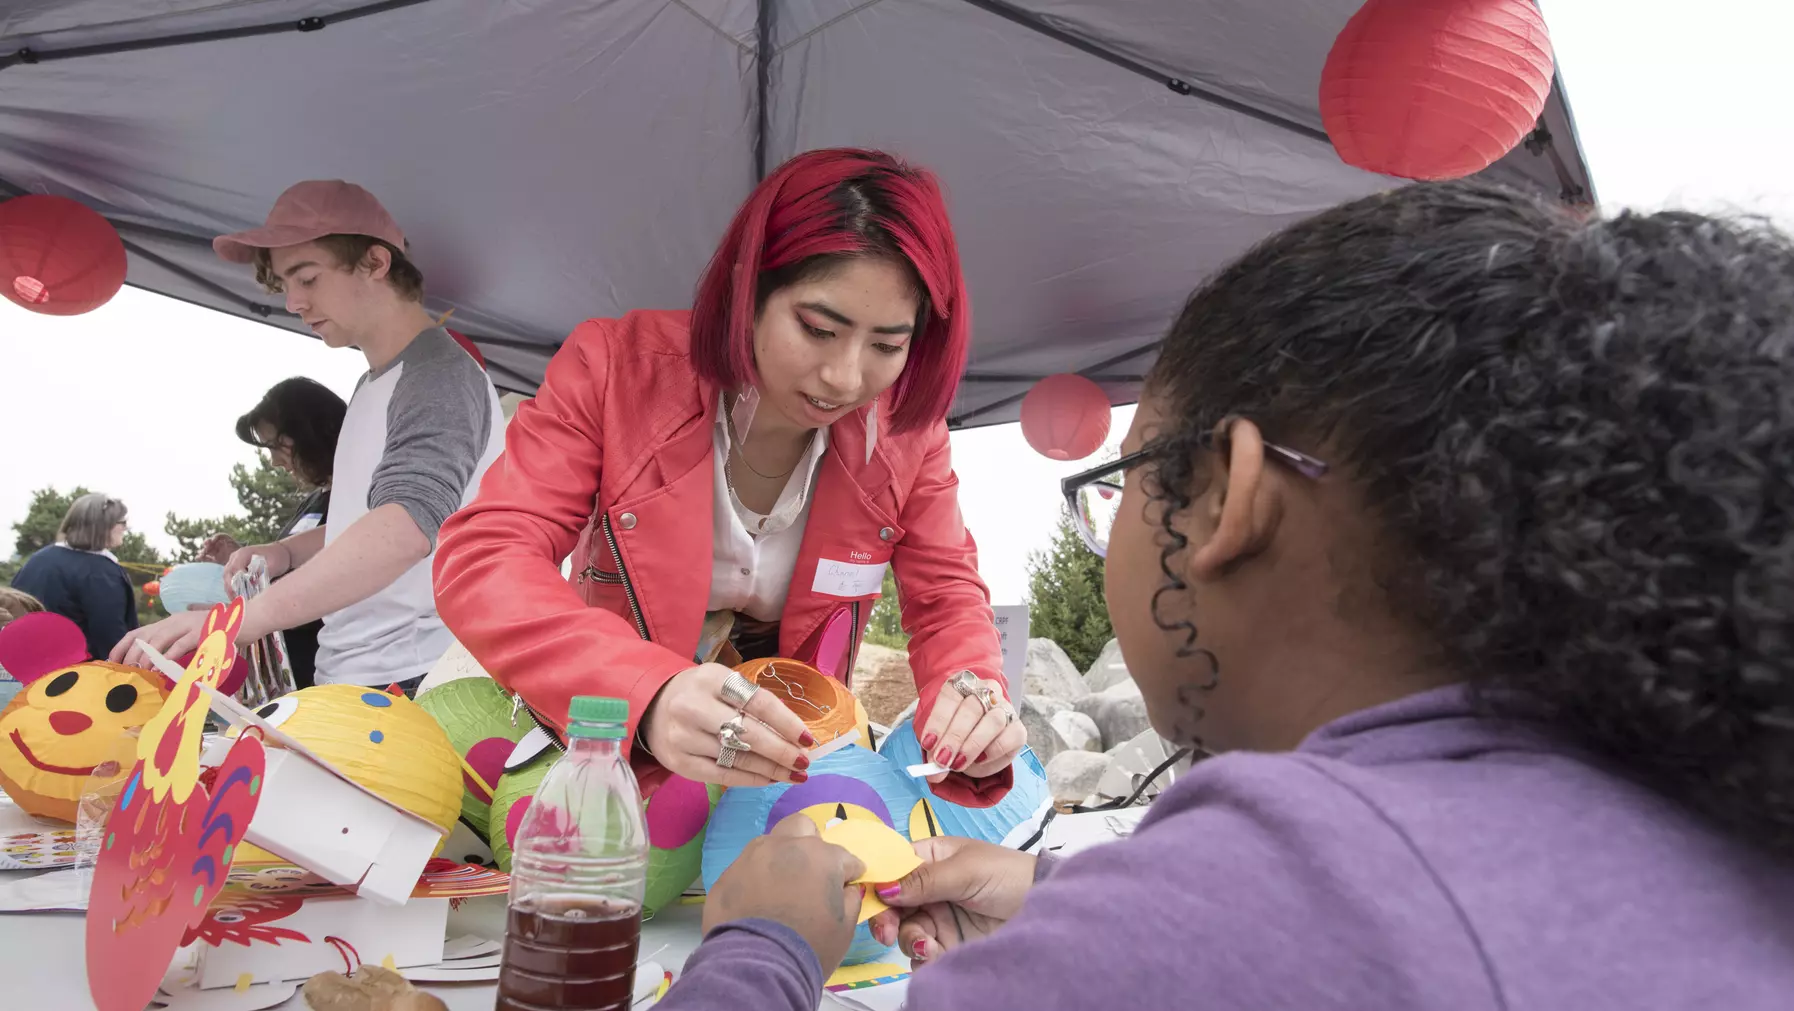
x,y
1049,673
1108,669
1072,776
1037,718
1076,731
1118,711
883,683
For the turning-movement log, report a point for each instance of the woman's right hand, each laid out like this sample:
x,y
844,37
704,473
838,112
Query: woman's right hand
x,y
280,561
218,548
682,723
964,890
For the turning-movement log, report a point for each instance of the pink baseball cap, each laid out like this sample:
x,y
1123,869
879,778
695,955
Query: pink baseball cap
x,y
311,210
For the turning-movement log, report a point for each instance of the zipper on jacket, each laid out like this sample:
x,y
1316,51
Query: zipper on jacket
x,y
635,607
635,611
853,647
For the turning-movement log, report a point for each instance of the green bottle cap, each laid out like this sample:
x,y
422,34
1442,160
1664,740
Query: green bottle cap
x,y
597,716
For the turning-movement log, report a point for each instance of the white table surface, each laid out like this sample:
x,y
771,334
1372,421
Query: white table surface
x,y
43,966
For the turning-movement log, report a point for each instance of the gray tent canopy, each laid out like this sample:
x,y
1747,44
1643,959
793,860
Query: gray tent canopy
x,y
555,160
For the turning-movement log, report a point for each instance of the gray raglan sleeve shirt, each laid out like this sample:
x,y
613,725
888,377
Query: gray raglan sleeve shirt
x,y
438,424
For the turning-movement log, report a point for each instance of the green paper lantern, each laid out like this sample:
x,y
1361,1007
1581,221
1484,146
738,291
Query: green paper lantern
x,y
483,725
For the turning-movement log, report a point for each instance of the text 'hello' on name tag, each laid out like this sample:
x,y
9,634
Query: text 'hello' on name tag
x,y
848,579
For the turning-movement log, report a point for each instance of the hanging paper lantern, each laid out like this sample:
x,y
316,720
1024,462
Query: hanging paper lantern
x,y
57,256
153,588
1435,89
1065,417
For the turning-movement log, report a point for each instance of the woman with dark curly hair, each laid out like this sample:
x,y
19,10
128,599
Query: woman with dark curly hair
x,y
1461,528
297,421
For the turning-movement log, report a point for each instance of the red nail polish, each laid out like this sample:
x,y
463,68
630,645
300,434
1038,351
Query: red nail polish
x,y
928,743
944,757
807,739
982,755
921,948
959,762
803,762
800,777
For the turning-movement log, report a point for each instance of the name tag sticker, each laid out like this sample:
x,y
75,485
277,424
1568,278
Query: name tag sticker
x,y
847,579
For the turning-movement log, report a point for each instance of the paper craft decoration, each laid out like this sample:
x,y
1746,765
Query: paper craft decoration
x,y
71,718
1065,416
855,784
886,855
675,814
192,583
483,726
58,256
381,740
490,731
825,705
1435,89
168,841
860,977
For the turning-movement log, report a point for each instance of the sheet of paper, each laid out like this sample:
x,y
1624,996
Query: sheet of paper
x,y
63,891
888,997
847,579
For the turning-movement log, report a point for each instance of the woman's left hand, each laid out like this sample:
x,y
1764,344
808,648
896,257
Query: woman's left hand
x,y
791,876
966,735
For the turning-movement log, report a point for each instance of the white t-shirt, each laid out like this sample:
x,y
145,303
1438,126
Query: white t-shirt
x,y
753,554
419,432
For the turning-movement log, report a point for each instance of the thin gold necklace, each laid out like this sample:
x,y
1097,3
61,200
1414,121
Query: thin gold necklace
x,y
740,450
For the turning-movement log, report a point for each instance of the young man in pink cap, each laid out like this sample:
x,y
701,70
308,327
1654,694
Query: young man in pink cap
x,y
420,431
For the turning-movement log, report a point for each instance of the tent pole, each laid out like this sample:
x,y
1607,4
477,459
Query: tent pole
x,y
762,82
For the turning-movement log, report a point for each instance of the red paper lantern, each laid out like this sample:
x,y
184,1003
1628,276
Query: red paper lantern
x,y
57,256
1065,417
153,588
1435,89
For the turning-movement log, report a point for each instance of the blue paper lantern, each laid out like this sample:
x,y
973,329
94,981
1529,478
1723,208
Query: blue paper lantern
x,y
193,583
991,824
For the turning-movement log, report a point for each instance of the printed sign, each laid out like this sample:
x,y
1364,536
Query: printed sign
x,y
1012,630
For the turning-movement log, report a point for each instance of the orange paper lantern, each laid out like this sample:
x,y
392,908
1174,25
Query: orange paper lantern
x,y
1065,417
825,705
1435,89
57,256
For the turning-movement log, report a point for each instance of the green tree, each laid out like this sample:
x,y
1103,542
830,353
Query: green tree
x,y
141,562
885,627
1065,596
267,495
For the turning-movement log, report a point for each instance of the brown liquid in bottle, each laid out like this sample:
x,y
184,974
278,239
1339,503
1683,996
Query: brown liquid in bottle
x,y
570,954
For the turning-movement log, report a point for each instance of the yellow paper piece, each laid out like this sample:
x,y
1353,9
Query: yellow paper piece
x,y
850,974
389,964
887,855
871,906
244,982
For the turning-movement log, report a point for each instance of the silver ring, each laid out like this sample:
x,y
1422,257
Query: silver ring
x,y
730,744
969,685
738,690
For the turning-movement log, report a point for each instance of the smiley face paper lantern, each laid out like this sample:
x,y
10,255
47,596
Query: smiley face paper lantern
x,y
478,717
383,741
57,256
1065,417
71,719
1435,89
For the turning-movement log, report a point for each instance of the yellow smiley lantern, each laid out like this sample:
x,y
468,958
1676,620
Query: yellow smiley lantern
x,y
381,740
72,717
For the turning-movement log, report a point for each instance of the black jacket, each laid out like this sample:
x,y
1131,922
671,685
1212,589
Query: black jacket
x,y
89,589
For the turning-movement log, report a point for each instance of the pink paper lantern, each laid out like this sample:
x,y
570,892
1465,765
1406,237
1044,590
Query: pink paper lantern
x,y
1065,417
57,256
1435,89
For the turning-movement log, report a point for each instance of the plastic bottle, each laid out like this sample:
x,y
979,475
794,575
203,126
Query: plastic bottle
x,y
578,870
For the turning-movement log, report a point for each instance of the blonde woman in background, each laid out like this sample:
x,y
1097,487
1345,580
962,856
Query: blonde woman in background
x,y
79,578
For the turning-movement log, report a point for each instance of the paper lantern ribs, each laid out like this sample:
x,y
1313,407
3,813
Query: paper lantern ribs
x,y
825,705
1066,416
58,256
1435,89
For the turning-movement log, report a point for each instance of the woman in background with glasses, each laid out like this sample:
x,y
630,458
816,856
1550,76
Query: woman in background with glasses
x,y
1501,695
79,577
297,422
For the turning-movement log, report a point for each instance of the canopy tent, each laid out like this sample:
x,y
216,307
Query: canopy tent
x,y
554,160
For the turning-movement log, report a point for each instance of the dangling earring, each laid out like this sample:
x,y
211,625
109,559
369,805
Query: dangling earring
x,y
871,429
742,416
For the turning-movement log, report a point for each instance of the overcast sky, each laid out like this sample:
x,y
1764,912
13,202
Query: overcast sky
x,y
1676,104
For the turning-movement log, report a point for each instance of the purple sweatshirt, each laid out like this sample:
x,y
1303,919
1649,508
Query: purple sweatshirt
x,y
1409,856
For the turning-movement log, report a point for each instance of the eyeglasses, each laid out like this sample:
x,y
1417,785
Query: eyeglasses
x,y
1094,495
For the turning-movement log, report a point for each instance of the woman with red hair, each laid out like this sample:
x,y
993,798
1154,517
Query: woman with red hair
x,y
730,483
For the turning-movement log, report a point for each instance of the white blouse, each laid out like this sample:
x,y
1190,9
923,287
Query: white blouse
x,y
754,554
